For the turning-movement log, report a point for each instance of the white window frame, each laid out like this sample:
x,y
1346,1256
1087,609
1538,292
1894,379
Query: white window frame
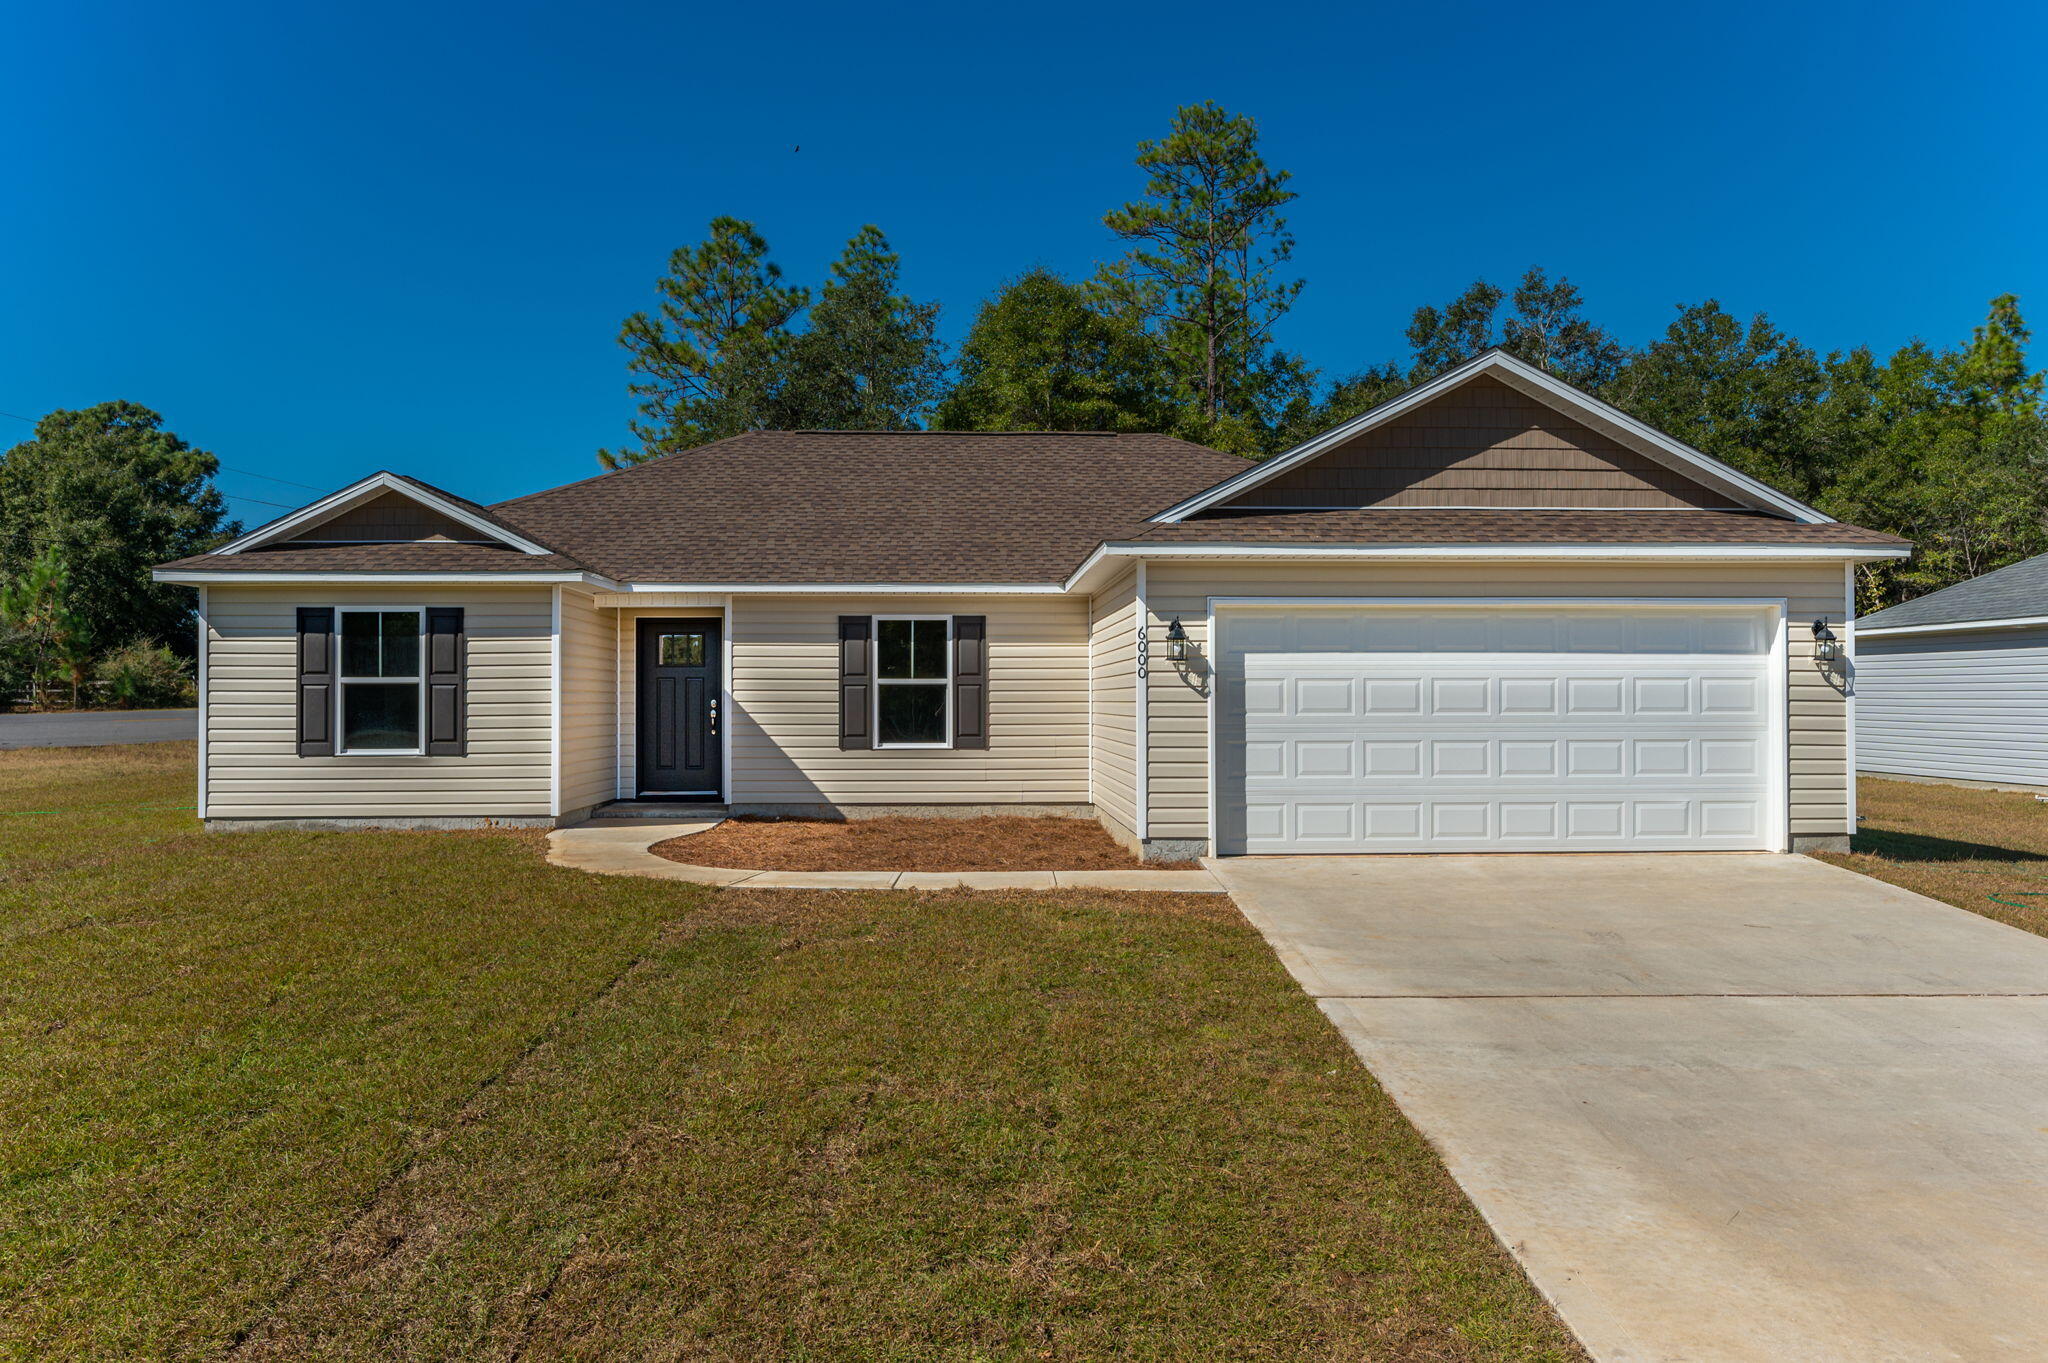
x,y
342,682
875,705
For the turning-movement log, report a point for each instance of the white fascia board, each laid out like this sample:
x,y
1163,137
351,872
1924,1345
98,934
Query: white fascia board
x,y
1511,552
1868,631
355,494
193,577
1521,375
852,588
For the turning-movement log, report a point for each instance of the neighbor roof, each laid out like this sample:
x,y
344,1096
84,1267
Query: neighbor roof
x,y
2016,592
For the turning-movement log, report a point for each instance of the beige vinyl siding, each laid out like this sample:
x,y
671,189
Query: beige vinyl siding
x,y
785,706
1483,444
1178,770
590,693
1113,699
253,767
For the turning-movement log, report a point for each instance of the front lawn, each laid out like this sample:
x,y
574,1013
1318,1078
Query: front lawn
x,y
1981,850
409,1096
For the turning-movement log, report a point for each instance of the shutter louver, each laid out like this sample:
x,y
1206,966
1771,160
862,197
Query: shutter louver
x,y
447,682
970,681
316,681
856,677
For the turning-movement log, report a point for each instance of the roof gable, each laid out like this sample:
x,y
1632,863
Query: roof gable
x,y
385,508
1498,433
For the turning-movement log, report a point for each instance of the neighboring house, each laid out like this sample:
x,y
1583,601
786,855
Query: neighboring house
x,y
1954,685
1491,614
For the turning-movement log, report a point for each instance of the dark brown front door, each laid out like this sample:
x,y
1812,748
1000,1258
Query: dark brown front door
x,y
678,708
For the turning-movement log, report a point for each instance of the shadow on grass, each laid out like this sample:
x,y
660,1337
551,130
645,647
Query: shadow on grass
x,y
1897,846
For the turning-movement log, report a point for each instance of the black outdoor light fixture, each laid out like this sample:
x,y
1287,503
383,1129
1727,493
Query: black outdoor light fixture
x,y
1176,641
1826,647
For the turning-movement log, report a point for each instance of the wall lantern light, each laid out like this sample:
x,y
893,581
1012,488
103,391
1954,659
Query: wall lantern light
x,y
1176,641
1826,647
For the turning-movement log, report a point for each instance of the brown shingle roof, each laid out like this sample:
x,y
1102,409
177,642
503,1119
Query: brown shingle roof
x,y
425,556
1454,525
862,506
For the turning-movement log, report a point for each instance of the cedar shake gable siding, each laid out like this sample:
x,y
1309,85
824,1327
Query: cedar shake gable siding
x,y
1483,444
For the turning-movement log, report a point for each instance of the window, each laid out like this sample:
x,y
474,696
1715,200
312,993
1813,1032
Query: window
x,y
379,681
682,650
913,681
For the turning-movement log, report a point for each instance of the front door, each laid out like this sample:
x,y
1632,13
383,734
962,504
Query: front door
x,y
678,709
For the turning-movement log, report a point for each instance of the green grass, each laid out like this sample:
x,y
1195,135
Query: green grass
x,y
1981,850
421,1096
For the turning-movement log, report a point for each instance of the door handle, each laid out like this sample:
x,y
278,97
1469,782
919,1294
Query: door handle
x,y
714,716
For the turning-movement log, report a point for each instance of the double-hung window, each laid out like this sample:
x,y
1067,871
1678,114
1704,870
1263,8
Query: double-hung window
x,y
379,681
913,681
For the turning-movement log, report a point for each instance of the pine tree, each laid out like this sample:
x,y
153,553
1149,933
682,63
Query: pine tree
x,y
709,362
870,359
1041,357
1544,325
1206,246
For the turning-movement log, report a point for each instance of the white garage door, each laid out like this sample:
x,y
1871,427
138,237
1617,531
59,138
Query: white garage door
x,y
1446,728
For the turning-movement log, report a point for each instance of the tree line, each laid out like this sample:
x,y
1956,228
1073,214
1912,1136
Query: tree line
x,y
1945,445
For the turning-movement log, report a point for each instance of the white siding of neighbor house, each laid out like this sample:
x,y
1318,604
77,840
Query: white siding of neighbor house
x,y
1178,766
589,701
253,766
1113,699
785,706
1968,706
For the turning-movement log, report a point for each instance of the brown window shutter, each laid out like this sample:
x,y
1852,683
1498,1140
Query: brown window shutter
x,y
856,678
970,681
316,681
447,683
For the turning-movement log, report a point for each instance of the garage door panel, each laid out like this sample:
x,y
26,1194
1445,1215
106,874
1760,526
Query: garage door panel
x,y
1566,729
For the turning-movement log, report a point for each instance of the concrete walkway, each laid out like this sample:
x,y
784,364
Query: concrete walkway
x,y
97,728
618,847
1721,1107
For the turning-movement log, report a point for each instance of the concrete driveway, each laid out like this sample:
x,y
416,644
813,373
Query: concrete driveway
x,y
1722,1107
97,728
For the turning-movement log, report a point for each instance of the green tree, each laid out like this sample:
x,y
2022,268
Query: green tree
x,y
1355,395
1748,394
36,603
709,360
870,360
1545,325
1206,246
1041,357
111,493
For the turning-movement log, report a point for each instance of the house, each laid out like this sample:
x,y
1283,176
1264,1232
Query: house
x,y
1491,614
1954,685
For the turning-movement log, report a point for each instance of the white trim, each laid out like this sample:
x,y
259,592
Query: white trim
x,y
875,701
367,489
1519,375
848,588
555,711
1849,683
1779,835
1141,797
619,710
2011,622
192,577
205,647
342,680
725,705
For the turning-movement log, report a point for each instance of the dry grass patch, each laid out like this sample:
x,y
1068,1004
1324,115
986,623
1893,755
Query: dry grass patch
x,y
1000,843
1981,850
398,1096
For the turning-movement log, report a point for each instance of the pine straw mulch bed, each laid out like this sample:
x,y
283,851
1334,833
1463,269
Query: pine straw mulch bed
x,y
995,843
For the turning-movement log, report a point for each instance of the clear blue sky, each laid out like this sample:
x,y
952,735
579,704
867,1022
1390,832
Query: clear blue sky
x,y
327,239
